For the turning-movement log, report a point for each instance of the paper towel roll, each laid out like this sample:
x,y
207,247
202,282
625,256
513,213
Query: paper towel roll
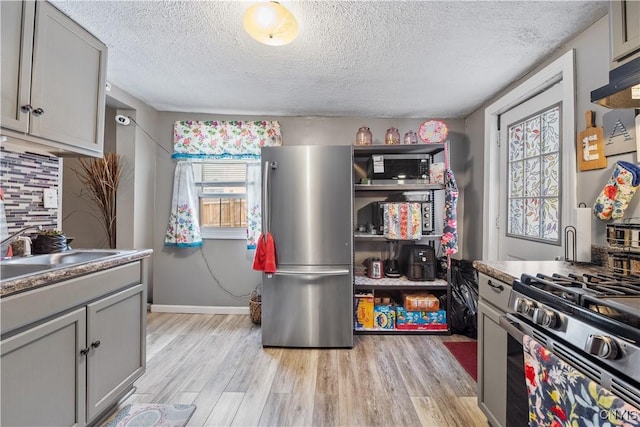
x,y
583,234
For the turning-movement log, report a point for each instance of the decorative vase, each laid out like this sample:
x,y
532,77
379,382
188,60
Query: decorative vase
x,y
410,137
364,136
47,244
392,136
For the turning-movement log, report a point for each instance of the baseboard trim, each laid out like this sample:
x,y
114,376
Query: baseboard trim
x,y
197,309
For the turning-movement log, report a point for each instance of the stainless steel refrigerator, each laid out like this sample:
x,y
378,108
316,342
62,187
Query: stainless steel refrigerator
x,y
307,207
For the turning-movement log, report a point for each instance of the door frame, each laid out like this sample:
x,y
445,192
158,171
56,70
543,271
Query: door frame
x,y
562,69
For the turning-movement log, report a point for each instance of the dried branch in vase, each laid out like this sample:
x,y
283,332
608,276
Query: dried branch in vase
x,y
101,178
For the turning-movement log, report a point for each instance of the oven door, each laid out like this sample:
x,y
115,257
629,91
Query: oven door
x,y
517,387
517,396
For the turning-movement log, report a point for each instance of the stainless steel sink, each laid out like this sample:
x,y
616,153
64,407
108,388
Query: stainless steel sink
x,y
10,271
24,266
77,256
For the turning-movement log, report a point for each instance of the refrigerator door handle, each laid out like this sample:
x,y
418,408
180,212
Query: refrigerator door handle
x,y
265,200
336,272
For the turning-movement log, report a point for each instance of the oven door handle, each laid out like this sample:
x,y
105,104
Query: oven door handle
x,y
512,327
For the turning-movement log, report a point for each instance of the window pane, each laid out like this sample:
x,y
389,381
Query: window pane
x,y
223,212
222,194
534,177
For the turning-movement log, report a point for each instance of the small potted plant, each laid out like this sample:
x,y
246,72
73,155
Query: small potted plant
x,y
50,241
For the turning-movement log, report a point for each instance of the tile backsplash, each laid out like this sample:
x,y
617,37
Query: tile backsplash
x,y
24,177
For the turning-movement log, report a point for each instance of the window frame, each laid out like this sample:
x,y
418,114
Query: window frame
x,y
219,233
540,156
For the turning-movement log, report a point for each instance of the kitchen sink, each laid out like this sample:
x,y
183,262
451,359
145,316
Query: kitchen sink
x,y
77,256
24,266
10,271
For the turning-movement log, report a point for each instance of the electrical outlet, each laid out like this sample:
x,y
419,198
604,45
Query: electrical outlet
x,y
50,198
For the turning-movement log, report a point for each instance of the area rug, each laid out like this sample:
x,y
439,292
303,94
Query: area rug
x,y
151,415
466,353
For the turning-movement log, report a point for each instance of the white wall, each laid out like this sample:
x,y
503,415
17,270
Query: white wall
x,y
592,67
181,276
79,218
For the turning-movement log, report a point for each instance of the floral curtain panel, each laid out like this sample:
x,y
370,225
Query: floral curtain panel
x,y
219,140
254,206
223,139
183,229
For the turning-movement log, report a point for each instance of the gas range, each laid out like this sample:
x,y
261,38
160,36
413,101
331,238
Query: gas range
x,y
592,320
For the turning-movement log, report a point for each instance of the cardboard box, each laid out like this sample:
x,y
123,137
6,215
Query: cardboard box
x,y
404,317
432,327
421,301
363,311
384,316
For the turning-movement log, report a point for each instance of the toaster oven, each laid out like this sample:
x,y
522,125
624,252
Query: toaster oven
x,y
373,213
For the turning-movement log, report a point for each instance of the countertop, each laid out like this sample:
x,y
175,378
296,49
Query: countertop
x,y
508,271
48,277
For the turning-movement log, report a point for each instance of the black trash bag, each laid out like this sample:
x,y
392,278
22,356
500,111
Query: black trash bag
x,y
463,313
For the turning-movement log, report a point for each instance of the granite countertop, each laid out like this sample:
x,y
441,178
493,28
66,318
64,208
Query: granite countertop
x,y
508,271
24,283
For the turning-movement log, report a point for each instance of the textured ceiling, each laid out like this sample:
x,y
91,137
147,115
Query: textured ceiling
x,y
399,59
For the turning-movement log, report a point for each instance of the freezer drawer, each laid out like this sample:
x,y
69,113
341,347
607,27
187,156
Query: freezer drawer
x,y
308,307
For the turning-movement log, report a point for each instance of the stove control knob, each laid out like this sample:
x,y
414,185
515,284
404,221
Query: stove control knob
x,y
601,346
524,306
544,317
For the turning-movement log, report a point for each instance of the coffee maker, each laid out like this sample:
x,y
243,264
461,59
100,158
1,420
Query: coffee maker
x,y
418,262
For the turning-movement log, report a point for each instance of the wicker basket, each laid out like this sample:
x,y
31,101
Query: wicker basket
x,y
255,306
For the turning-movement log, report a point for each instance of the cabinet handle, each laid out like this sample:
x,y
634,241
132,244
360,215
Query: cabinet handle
x,y
26,108
38,112
95,344
497,288
85,351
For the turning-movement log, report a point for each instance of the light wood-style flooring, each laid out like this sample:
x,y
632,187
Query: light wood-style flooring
x,y
218,363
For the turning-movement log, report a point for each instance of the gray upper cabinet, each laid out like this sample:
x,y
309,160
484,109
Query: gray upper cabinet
x,y
53,80
624,22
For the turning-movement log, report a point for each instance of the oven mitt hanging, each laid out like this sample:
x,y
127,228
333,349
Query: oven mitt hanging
x,y
615,196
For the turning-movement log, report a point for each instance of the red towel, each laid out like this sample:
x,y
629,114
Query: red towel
x,y
265,258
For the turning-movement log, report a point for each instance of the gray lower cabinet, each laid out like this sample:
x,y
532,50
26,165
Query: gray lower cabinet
x,y
43,374
115,337
492,350
53,80
72,366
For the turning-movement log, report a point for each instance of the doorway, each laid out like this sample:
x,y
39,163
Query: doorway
x,y
555,81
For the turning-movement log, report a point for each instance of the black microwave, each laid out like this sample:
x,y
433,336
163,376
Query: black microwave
x,y
398,166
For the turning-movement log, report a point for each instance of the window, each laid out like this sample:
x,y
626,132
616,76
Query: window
x,y
222,198
533,205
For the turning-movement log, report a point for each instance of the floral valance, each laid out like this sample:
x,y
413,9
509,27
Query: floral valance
x,y
223,139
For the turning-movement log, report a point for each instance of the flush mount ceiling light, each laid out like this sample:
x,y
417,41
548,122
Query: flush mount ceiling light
x,y
270,23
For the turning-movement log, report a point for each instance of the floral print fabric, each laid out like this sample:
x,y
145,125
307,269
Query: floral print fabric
x,y
183,229
560,396
616,194
449,238
402,221
254,213
223,139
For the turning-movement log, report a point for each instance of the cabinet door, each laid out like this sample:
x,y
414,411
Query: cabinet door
x,y
116,335
43,374
68,81
492,365
17,41
624,19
